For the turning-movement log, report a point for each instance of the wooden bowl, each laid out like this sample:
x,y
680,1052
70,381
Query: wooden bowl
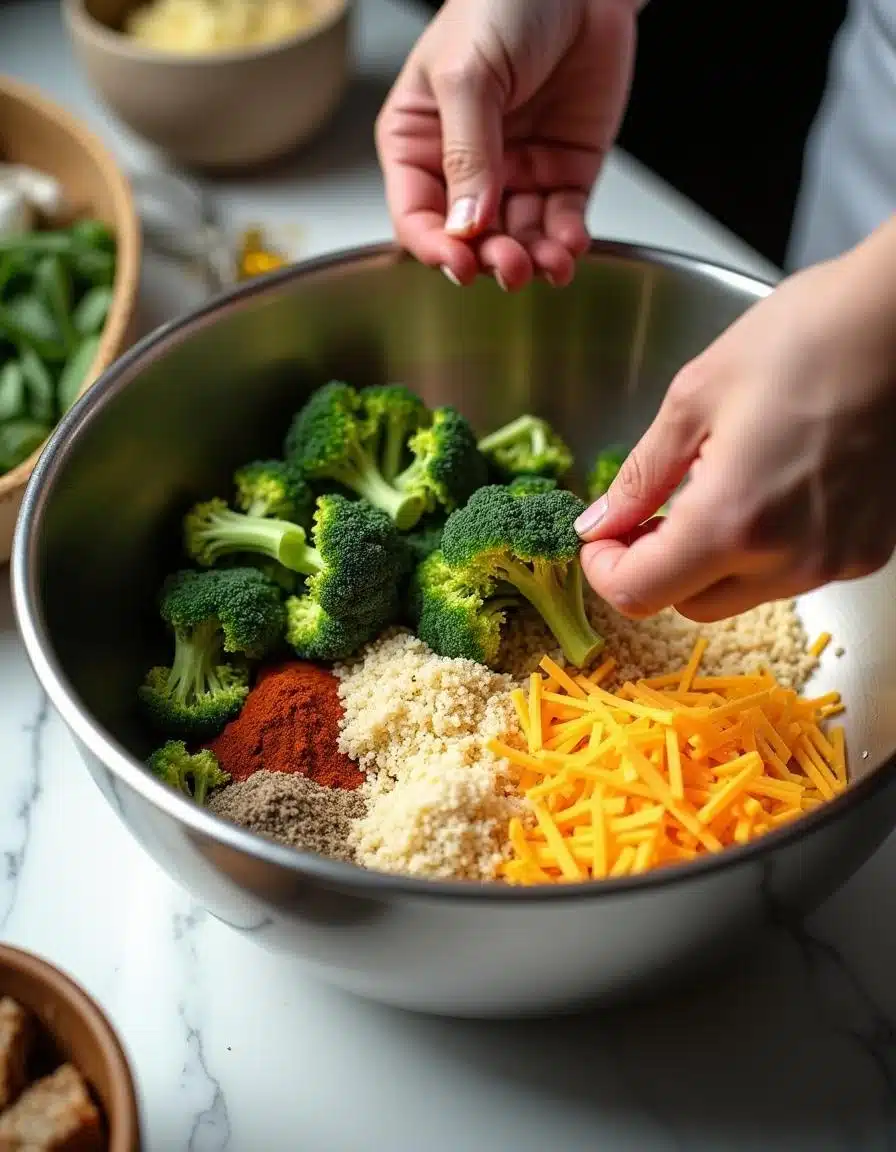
x,y
36,132
80,1034
224,110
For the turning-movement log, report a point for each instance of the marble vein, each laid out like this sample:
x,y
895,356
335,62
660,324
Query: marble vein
x,y
210,1130
32,790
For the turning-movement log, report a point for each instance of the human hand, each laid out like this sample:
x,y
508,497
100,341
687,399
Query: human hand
x,y
494,133
786,429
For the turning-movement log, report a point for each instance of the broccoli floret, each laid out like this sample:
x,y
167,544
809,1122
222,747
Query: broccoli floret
x,y
393,414
447,467
357,563
456,613
213,531
605,470
528,485
274,488
333,439
195,775
526,445
236,611
425,539
315,634
530,544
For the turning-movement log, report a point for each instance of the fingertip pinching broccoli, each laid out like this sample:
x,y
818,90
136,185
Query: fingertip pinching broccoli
x,y
195,774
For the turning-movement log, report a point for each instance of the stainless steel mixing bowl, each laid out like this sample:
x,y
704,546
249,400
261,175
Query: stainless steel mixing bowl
x,y
167,424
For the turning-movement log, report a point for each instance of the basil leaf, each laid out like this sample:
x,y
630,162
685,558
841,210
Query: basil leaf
x,y
27,322
52,281
12,390
92,310
74,373
39,386
94,234
18,439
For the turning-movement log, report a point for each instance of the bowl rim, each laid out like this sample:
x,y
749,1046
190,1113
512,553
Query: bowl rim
x,y
128,250
104,38
203,824
123,1108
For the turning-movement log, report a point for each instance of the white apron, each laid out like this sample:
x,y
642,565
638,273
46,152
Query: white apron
x,y
849,171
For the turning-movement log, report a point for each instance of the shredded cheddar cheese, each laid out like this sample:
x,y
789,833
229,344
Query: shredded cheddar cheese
x,y
663,770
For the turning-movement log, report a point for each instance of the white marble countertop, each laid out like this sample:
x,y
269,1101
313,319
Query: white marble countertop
x,y
793,1050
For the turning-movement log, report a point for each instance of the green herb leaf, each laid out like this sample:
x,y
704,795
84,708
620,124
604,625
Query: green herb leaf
x,y
38,243
27,322
39,386
94,234
93,265
74,373
12,391
18,439
92,310
53,282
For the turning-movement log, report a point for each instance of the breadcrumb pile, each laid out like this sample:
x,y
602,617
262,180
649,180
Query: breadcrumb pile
x,y
439,800
771,634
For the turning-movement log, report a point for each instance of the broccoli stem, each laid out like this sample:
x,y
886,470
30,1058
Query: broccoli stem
x,y
259,507
393,449
555,591
196,657
410,477
200,784
523,428
500,604
363,477
233,532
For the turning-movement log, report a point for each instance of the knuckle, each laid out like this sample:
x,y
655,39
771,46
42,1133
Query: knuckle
x,y
460,162
686,390
467,77
633,477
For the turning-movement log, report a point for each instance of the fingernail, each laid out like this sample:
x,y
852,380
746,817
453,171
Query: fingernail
x,y
592,516
500,281
449,275
462,216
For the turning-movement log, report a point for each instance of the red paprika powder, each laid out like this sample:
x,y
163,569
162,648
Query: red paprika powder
x,y
289,723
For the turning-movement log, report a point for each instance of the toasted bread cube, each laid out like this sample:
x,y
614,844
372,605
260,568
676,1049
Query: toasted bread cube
x,y
55,1114
16,1039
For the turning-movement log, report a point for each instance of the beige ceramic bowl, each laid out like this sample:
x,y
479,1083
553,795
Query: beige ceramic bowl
x,y
226,110
36,132
80,1034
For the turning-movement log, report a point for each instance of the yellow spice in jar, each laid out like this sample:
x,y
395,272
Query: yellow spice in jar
x,y
205,26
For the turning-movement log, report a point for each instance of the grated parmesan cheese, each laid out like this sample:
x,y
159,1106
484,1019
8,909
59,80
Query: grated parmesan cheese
x,y
439,800
771,635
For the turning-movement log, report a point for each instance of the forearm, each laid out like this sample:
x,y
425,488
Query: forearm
x,y
870,271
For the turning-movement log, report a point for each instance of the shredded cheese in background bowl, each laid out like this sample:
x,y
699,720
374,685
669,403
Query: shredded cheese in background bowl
x,y
663,770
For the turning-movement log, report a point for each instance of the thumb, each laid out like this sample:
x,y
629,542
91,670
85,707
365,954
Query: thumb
x,y
470,103
650,473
